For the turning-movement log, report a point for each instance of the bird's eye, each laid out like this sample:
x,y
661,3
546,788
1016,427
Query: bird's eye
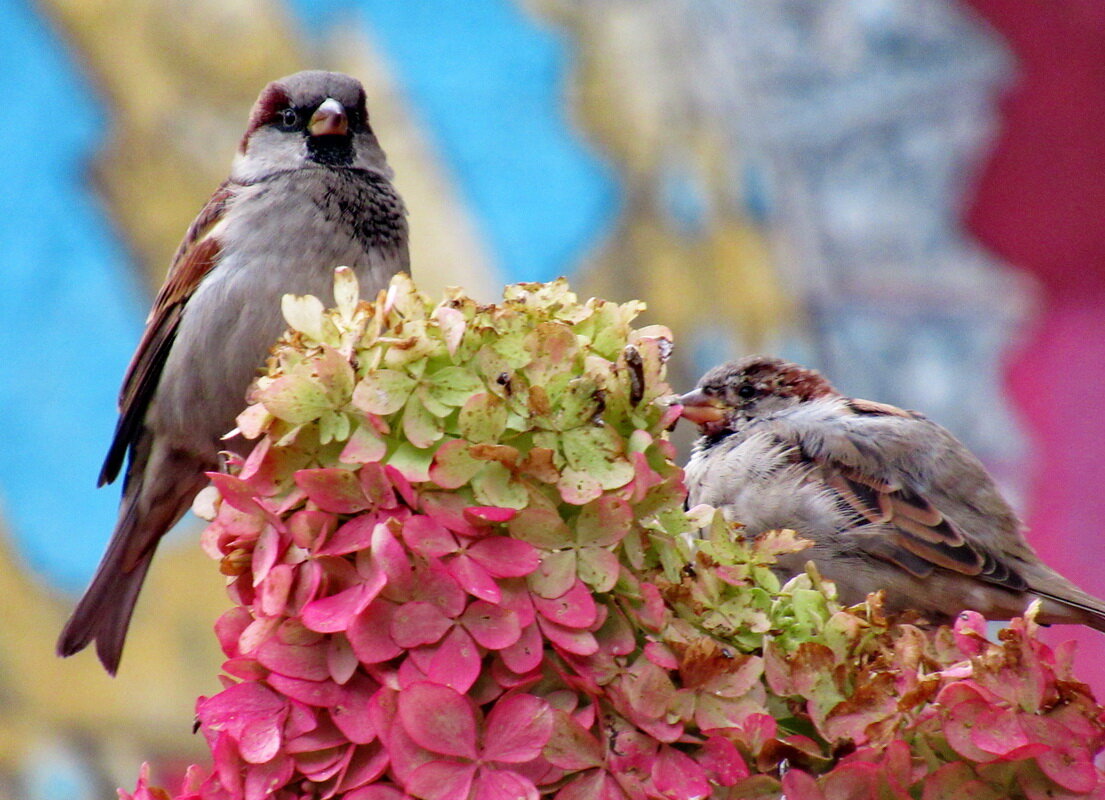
x,y
289,117
746,390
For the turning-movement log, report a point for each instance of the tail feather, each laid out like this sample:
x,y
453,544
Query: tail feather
x,y
104,612
160,484
1075,606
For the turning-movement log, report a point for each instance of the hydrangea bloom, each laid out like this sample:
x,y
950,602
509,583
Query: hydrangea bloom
x,y
462,569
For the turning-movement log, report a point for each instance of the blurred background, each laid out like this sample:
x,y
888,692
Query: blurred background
x,y
906,194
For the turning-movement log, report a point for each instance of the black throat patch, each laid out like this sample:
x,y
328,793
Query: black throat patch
x,y
330,151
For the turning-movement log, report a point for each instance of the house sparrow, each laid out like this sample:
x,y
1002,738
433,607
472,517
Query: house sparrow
x,y
890,499
309,190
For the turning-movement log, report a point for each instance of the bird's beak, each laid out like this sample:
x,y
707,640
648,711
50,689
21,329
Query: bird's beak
x,y
701,409
329,119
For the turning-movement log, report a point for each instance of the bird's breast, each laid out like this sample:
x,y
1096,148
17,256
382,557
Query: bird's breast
x,y
276,239
755,481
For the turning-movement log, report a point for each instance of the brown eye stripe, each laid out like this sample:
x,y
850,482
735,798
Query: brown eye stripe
x,y
273,99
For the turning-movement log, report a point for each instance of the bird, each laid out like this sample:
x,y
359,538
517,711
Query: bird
x,y
889,499
309,190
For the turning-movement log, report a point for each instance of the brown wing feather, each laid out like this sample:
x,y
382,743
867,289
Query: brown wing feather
x,y
195,257
920,537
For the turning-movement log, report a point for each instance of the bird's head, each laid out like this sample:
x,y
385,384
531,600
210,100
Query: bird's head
x,y
730,395
311,118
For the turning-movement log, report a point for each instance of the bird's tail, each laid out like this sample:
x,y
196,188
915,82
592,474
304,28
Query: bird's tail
x,y
160,485
103,613
1065,602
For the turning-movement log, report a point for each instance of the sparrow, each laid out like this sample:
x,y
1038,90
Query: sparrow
x,y
889,499
309,190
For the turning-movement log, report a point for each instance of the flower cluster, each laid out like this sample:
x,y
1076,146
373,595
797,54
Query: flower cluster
x,y
462,569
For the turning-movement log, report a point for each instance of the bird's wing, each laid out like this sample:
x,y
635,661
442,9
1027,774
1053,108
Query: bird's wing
x,y
857,450
197,254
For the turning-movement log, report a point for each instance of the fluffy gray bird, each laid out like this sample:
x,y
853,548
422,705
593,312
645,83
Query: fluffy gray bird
x,y
309,190
890,499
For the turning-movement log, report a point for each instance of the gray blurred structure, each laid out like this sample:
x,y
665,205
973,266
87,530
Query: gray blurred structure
x,y
866,121
851,131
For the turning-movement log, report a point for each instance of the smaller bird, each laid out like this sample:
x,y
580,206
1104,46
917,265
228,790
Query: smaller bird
x,y
309,190
890,499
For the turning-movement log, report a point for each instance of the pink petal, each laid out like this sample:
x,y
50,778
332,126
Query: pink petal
x,y
516,597
661,656
404,754
356,534
321,694
448,509
402,485
337,612
670,415
352,715
274,589
301,719
307,585
439,719
524,655
678,776
721,759
571,746
442,780
494,627
489,514
505,558
368,764
246,669
1075,774
799,785
389,556
229,627
410,669
321,765
473,578
341,661
376,791
376,485
227,764
573,640
452,467
592,785
363,447
324,736
646,476
236,492
263,780
294,661
333,489
502,679
573,609
369,634
455,662
418,623
427,537
616,635
603,522
998,731
309,528
435,584
266,552
970,633
517,729
383,707
234,706
260,740
255,633
497,784
960,723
